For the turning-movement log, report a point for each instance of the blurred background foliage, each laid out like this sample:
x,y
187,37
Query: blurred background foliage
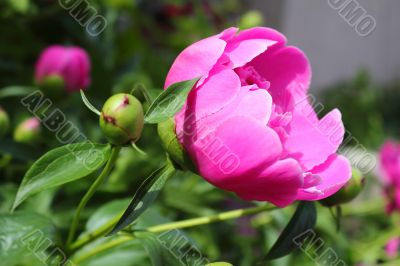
x,y
139,44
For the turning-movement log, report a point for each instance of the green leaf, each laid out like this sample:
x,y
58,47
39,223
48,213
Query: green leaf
x,y
130,253
89,105
105,213
169,102
60,166
15,91
158,251
302,221
24,236
145,196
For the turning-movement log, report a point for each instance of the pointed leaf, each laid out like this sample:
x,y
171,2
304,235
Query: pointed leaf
x,y
145,196
302,221
169,102
60,166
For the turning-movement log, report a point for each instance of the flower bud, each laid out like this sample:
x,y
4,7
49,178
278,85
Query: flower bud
x,y
28,131
53,86
4,122
71,65
348,192
122,119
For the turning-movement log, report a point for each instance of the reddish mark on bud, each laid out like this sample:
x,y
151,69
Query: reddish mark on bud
x,y
109,119
125,102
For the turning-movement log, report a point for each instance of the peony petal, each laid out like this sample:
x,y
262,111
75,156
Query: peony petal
x,y
255,103
49,62
389,156
239,147
76,68
227,34
392,247
196,60
311,143
262,33
289,72
277,184
217,92
242,52
334,173
251,101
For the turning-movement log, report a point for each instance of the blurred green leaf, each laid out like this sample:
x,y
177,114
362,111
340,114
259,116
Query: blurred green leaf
x,y
303,220
145,195
159,254
19,5
15,91
169,102
25,235
60,166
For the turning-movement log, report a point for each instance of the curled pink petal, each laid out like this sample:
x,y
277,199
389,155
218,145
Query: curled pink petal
x,y
334,174
278,184
289,72
196,60
311,143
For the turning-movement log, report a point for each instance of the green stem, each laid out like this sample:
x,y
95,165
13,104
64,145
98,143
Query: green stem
x,y
101,231
229,215
176,225
90,192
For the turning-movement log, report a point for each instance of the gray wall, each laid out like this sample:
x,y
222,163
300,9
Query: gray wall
x,y
335,49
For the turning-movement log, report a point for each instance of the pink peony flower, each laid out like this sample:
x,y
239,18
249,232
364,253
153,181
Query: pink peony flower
x,y
247,123
389,157
392,247
72,64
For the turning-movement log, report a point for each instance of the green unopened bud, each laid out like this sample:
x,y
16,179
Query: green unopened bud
x,y
4,122
251,19
166,131
53,86
28,131
122,119
348,192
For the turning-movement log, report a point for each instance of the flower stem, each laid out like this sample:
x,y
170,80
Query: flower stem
x,y
90,192
121,239
210,219
101,231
